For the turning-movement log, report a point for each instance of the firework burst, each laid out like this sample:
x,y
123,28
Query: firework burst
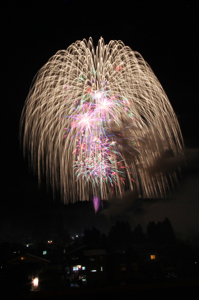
x,y
95,120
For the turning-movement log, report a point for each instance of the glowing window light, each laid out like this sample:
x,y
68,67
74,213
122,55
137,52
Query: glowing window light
x,y
93,271
35,282
153,256
77,268
122,267
22,258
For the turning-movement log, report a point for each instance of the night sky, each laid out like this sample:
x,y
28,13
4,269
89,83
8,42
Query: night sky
x,y
167,37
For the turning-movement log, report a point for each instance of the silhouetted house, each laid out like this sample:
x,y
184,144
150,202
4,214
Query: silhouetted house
x,y
139,262
20,270
29,260
156,261
74,265
85,266
146,253
122,267
96,265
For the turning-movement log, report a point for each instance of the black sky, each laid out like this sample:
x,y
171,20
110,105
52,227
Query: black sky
x,y
166,34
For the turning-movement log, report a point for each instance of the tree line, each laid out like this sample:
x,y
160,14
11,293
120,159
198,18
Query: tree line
x,y
121,235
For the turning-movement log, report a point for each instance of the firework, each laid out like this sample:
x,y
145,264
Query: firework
x,y
94,121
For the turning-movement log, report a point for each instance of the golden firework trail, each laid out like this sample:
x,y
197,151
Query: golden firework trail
x,y
95,120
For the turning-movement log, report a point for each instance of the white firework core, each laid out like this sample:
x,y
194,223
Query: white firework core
x,y
95,121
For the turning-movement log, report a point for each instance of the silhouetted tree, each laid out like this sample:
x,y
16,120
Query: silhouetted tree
x,y
138,235
152,231
168,235
92,237
161,233
120,235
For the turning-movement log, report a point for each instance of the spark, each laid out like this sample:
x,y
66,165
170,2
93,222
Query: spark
x,y
96,203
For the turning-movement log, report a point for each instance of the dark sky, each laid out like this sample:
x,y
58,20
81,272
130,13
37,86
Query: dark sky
x,y
166,34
